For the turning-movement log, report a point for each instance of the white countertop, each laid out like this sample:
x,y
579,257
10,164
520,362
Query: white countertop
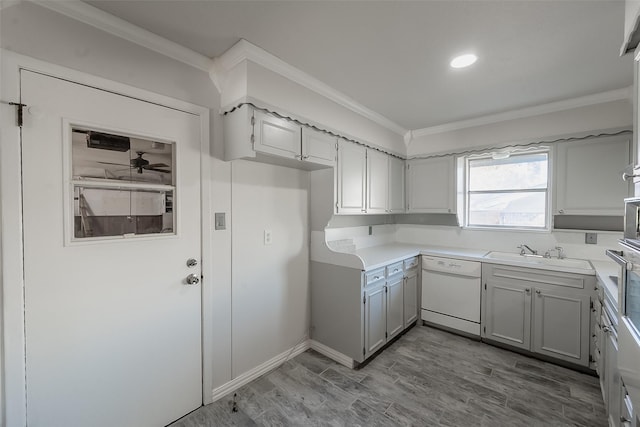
x,y
604,271
373,257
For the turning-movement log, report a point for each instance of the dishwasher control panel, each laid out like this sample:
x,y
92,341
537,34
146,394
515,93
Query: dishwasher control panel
x,y
454,266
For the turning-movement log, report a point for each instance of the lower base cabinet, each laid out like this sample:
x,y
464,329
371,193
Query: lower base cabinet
x,y
541,311
355,313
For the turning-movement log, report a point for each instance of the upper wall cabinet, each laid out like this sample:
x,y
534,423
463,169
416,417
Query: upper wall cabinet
x,y
256,135
273,135
351,178
319,147
396,185
377,182
588,176
431,185
368,181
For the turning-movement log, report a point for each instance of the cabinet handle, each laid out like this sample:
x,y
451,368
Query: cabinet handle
x,y
538,291
527,290
560,211
606,329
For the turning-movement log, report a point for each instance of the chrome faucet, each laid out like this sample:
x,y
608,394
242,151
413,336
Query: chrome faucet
x,y
524,248
558,249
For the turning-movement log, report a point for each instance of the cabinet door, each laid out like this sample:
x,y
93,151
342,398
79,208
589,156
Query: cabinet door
x,y
276,136
410,298
561,325
507,316
319,147
377,181
351,177
612,402
588,176
395,306
396,185
431,185
375,323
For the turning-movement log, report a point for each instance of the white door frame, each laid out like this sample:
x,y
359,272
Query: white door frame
x,y
12,343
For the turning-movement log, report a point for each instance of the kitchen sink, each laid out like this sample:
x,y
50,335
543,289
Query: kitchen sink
x,y
565,264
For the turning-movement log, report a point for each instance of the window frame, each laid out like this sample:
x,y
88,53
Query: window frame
x,y
464,192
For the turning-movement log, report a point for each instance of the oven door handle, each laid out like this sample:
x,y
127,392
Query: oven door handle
x,y
618,258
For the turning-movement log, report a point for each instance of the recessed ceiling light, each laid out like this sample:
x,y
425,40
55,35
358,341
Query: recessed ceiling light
x,y
463,60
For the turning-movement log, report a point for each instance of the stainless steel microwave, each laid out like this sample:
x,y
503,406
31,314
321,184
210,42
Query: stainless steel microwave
x,y
632,221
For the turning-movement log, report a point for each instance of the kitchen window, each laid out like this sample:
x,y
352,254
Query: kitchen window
x,y
506,190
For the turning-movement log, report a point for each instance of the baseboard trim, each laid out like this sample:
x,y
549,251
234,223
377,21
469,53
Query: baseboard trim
x,y
332,354
259,370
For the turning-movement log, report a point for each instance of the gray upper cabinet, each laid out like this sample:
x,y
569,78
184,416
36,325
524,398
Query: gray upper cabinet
x,y
273,135
351,178
396,185
431,185
588,176
256,135
377,182
319,147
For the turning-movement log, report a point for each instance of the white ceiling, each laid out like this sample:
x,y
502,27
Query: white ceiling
x,y
393,56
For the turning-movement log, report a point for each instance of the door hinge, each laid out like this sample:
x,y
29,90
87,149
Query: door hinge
x,y
408,166
364,351
364,299
591,359
253,120
386,335
19,110
485,286
484,329
591,304
386,289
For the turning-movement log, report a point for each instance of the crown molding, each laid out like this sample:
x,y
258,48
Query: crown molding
x,y
244,50
104,21
583,101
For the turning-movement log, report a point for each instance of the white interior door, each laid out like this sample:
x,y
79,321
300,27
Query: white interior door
x,y
113,330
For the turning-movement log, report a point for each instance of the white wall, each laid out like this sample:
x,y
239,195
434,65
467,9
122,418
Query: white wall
x,y
270,282
615,114
291,97
280,304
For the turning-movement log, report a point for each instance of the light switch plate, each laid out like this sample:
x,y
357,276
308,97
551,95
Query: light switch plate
x,y
591,238
220,221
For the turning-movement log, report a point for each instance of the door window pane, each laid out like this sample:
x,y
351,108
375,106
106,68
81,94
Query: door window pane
x,y
100,212
121,185
104,156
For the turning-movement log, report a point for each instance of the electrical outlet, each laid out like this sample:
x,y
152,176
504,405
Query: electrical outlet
x,y
591,238
267,237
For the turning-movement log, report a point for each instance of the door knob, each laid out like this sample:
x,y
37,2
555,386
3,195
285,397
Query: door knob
x,y
193,279
192,262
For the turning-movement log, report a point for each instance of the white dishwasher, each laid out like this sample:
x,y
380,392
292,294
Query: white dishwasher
x,y
451,293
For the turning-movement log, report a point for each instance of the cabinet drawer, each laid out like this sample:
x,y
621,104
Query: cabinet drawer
x,y
373,276
411,263
395,268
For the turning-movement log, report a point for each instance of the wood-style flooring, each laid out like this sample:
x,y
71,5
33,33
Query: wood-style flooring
x,y
426,378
